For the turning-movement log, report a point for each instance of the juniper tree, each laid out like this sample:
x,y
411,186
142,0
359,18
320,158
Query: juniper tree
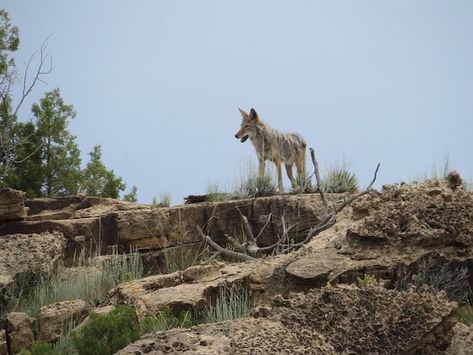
x,y
98,180
60,155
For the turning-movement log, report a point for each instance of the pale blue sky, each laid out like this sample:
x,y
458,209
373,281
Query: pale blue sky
x,y
158,83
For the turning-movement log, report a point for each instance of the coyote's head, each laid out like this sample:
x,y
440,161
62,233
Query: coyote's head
x,y
248,125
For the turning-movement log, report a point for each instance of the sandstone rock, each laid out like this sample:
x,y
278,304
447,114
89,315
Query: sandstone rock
x,y
332,320
21,332
428,214
194,287
54,317
12,205
462,342
248,336
22,256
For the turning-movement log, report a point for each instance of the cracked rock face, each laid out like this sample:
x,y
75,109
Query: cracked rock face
x,y
331,320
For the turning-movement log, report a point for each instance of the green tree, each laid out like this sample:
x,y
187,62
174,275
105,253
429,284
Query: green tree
x,y
9,42
132,196
15,140
26,171
60,155
98,180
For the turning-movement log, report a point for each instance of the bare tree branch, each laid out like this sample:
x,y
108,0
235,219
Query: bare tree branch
x,y
318,179
40,71
221,250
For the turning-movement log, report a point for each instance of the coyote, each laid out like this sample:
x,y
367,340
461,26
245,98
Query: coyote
x,y
273,145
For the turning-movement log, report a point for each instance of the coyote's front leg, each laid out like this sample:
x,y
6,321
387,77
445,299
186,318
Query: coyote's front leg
x,y
279,169
261,168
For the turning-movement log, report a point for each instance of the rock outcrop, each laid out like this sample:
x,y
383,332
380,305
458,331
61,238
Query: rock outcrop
x,y
331,320
25,256
20,327
12,205
54,317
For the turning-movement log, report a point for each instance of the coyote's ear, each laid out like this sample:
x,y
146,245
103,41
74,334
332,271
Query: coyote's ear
x,y
243,113
253,114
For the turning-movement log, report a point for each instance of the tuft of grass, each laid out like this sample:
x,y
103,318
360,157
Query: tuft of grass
x,y
255,186
91,281
465,314
440,173
232,302
215,193
176,259
340,179
302,184
166,320
164,200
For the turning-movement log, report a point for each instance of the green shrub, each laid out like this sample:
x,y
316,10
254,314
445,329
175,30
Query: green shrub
x,y
39,348
340,179
108,333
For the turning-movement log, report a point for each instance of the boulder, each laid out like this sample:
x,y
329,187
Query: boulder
x,y
23,257
55,318
195,287
21,332
462,342
12,205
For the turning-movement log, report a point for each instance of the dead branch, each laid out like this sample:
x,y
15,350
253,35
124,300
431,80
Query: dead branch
x,y
283,243
8,145
221,250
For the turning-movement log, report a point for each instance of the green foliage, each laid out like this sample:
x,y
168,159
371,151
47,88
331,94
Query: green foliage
x,y
9,42
231,303
465,314
366,280
340,179
60,155
132,196
108,333
39,348
98,180
26,172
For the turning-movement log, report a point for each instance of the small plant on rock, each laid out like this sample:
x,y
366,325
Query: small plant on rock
x,y
465,314
302,184
366,280
340,179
